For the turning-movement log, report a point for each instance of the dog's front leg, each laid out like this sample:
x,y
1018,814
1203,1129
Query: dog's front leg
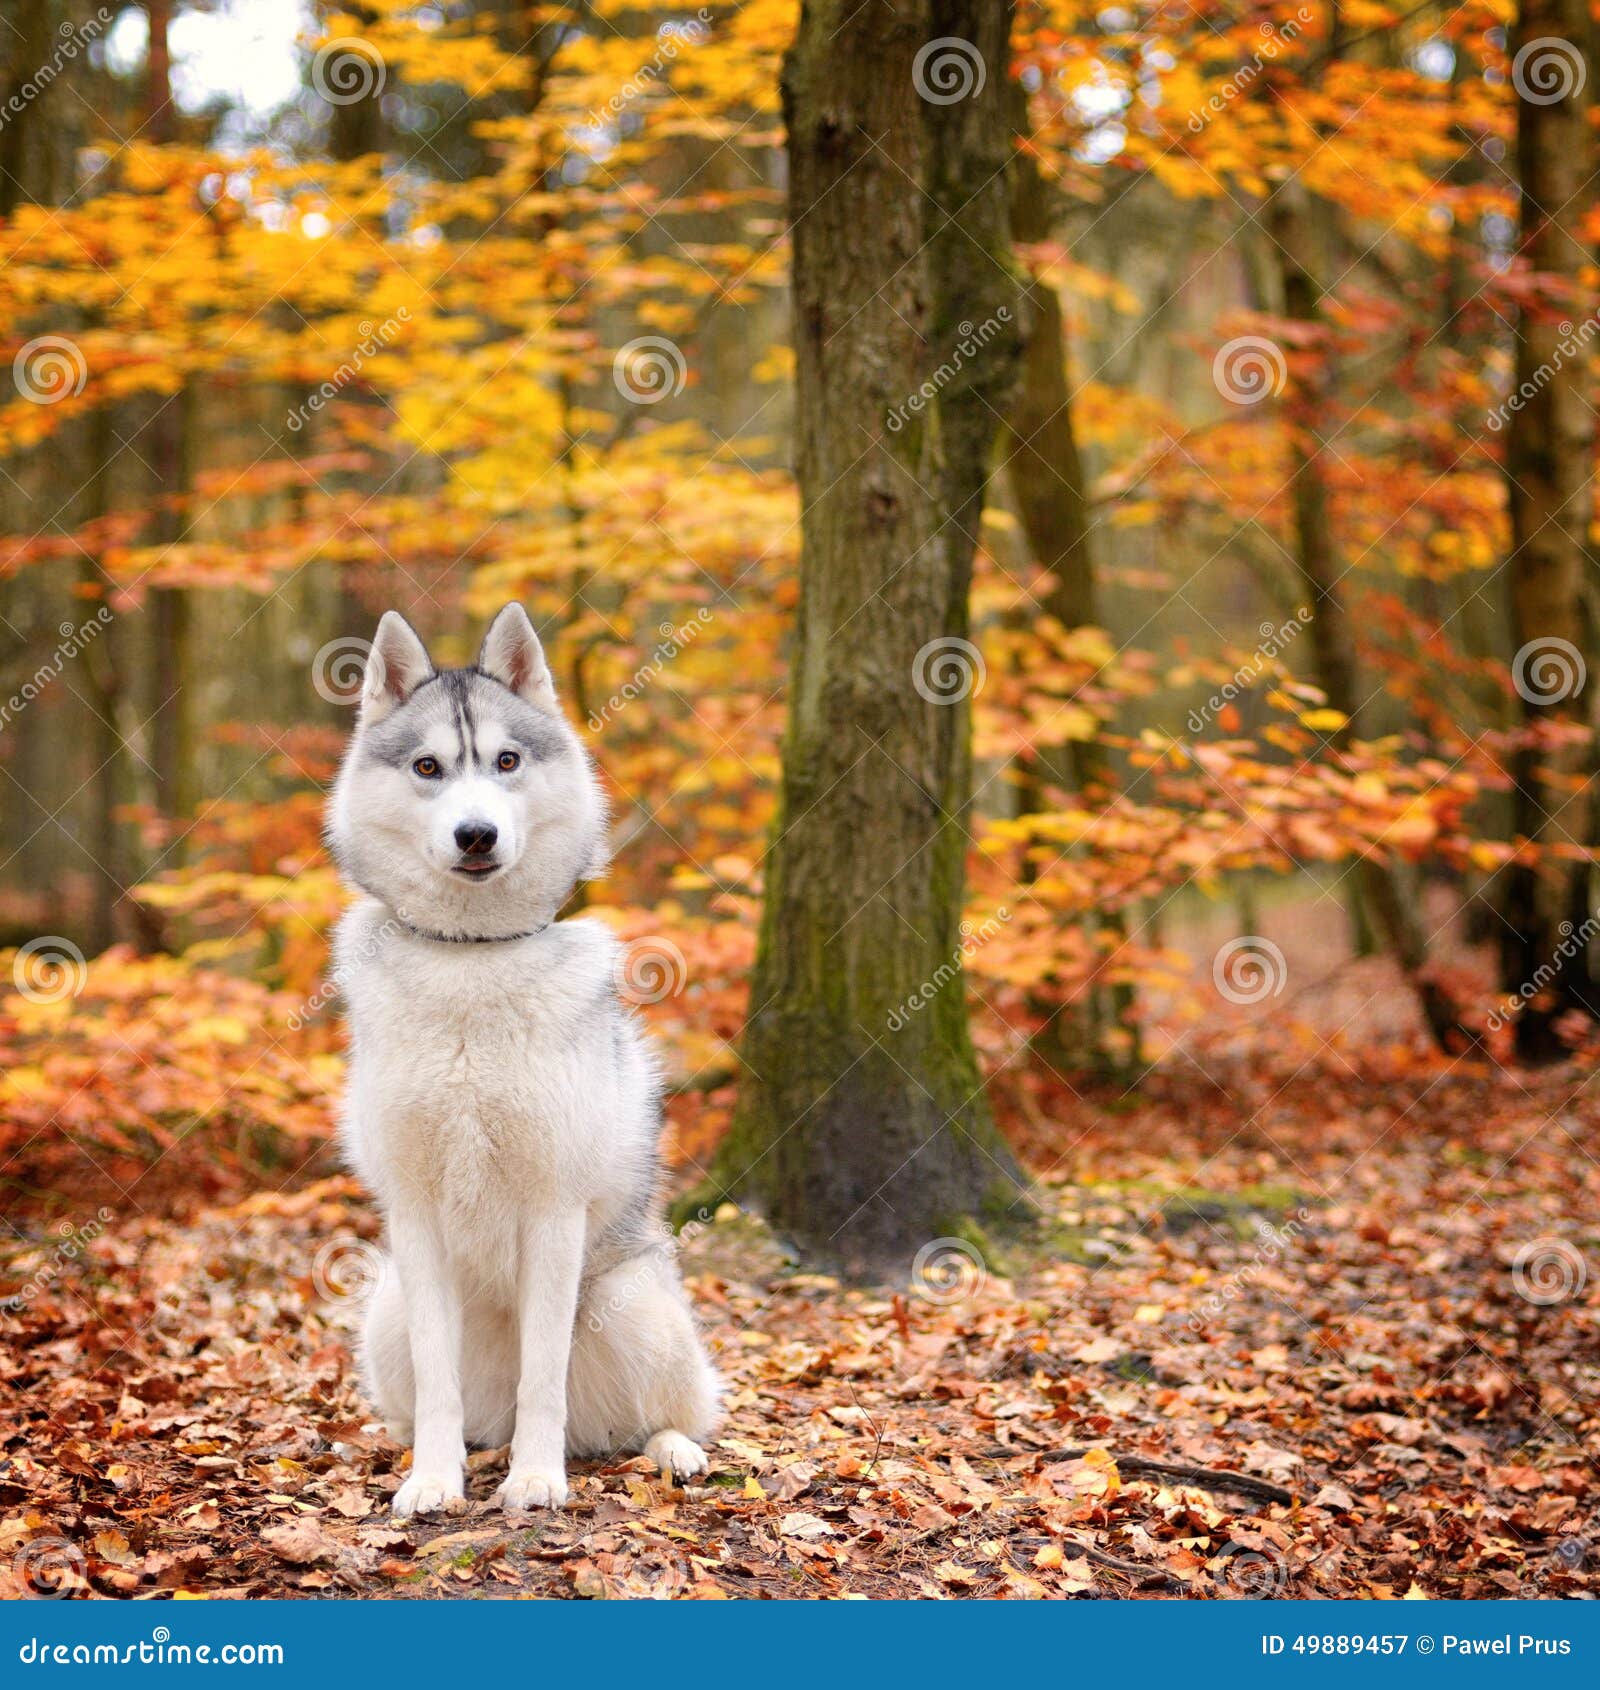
x,y
547,1295
433,1321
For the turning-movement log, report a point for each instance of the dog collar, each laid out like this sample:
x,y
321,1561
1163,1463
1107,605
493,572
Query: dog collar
x,y
470,938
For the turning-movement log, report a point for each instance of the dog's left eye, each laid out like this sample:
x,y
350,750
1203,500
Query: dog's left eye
x,y
507,761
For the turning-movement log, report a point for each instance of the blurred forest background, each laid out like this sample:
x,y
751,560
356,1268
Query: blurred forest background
x,y
1280,614
1068,530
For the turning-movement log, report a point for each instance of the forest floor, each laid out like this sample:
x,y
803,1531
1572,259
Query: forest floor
x,y
1298,1324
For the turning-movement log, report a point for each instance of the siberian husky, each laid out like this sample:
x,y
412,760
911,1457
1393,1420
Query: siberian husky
x,y
502,1105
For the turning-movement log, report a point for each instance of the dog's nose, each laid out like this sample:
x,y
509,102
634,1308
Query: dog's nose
x,y
476,839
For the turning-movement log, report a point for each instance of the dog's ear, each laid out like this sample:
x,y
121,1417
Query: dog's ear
x,y
397,665
512,654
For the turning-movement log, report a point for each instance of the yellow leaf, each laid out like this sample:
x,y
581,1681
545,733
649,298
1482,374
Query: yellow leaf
x,y
213,1029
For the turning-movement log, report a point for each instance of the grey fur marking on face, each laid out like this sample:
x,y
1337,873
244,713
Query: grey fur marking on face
x,y
463,699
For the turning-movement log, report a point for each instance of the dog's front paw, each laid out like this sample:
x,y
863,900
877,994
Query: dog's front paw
x,y
429,1493
676,1456
531,1488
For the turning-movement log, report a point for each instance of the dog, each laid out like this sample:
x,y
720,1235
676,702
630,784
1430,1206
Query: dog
x,y
502,1105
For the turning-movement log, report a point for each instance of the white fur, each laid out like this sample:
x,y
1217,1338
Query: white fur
x,y
503,1109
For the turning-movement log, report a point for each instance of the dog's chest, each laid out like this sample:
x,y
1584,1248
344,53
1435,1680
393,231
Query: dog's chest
x,y
472,1073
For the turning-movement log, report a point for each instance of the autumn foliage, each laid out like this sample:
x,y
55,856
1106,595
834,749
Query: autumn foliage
x,y
493,306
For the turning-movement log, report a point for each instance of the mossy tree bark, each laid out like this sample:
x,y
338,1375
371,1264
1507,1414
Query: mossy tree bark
x,y
1549,448
862,1129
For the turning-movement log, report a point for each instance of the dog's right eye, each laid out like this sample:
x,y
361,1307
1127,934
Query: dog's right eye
x,y
427,767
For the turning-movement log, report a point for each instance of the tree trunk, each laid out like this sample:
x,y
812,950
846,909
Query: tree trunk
x,y
171,680
356,127
1379,886
862,1129
24,152
1549,446
107,844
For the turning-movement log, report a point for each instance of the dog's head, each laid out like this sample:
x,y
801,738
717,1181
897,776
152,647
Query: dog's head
x,y
466,801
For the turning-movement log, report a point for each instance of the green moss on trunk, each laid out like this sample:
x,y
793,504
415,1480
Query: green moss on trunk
x,y
862,1125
